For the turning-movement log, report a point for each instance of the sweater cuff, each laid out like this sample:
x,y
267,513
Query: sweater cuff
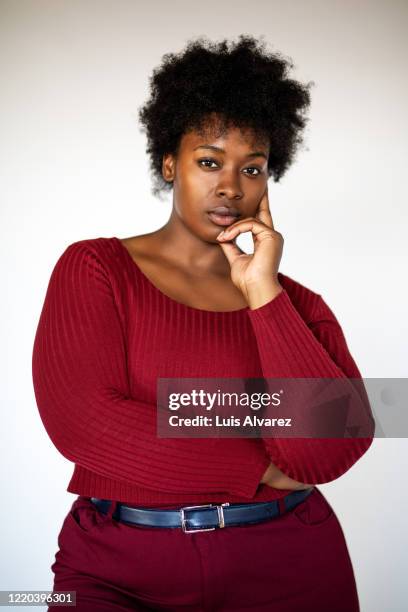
x,y
277,306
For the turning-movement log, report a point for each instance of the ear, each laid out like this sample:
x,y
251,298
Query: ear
x,y
168,167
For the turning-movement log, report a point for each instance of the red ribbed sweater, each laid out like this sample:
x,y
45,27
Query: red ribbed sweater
x,y
106,333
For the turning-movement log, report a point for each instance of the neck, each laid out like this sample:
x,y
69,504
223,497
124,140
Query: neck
x,y
176,243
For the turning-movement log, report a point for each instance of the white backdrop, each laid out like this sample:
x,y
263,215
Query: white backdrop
x,y
73,166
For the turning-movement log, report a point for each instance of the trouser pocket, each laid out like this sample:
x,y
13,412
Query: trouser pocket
x,y
315,510
84,515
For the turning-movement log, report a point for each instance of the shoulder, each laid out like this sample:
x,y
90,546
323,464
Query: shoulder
x,y
101,247
310,304
89,260
304,299
102,251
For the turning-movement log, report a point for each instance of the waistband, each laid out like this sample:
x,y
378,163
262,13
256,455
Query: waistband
x,y
204,517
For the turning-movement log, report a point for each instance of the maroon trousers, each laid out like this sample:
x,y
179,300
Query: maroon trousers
x,y
296,562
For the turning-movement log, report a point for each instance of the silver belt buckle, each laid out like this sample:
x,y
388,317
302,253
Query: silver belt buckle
x,y
220,511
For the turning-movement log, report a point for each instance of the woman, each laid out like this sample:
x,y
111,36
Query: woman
x,y
180,302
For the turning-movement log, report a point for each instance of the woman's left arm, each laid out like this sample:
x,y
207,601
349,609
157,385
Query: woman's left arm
x,y
291,348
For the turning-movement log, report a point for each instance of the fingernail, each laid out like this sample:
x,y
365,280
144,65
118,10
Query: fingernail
x,y
220,234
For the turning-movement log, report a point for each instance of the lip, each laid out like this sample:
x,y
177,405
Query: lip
x,y
221,219
225,210
223,215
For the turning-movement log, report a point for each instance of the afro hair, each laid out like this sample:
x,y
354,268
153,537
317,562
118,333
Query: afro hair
x,y
244,85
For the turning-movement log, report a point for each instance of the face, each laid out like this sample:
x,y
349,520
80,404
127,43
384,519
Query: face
x,y
218,178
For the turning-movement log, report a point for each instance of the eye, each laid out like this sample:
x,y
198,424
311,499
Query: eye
x,y
206,160
252,168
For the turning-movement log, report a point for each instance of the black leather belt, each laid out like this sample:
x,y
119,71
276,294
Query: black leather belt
x,y
205,517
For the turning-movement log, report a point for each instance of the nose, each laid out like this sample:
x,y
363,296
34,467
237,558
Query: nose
x,y
229,188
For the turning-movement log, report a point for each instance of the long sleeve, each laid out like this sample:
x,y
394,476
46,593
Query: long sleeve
x,y
81,384
291,348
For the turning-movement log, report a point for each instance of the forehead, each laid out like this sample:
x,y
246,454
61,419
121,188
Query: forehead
x,y
215,132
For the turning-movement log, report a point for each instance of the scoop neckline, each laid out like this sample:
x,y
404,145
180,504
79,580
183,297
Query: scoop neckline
x,y
148,282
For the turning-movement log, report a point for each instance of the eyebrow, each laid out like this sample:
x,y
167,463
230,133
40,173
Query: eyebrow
x,y
214,148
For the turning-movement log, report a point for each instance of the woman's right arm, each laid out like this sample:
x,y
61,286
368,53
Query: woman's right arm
x,y
82,392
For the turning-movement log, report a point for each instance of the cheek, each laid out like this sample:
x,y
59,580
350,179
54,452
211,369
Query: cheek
x,y
192,198
188,208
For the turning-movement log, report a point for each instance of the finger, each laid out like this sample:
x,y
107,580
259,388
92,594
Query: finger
x,y
245,225
264,212
231,251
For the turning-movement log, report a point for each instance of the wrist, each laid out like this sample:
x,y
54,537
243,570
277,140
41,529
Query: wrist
x,y
259,294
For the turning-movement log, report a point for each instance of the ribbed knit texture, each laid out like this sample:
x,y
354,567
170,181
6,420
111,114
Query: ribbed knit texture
x,y
105,335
